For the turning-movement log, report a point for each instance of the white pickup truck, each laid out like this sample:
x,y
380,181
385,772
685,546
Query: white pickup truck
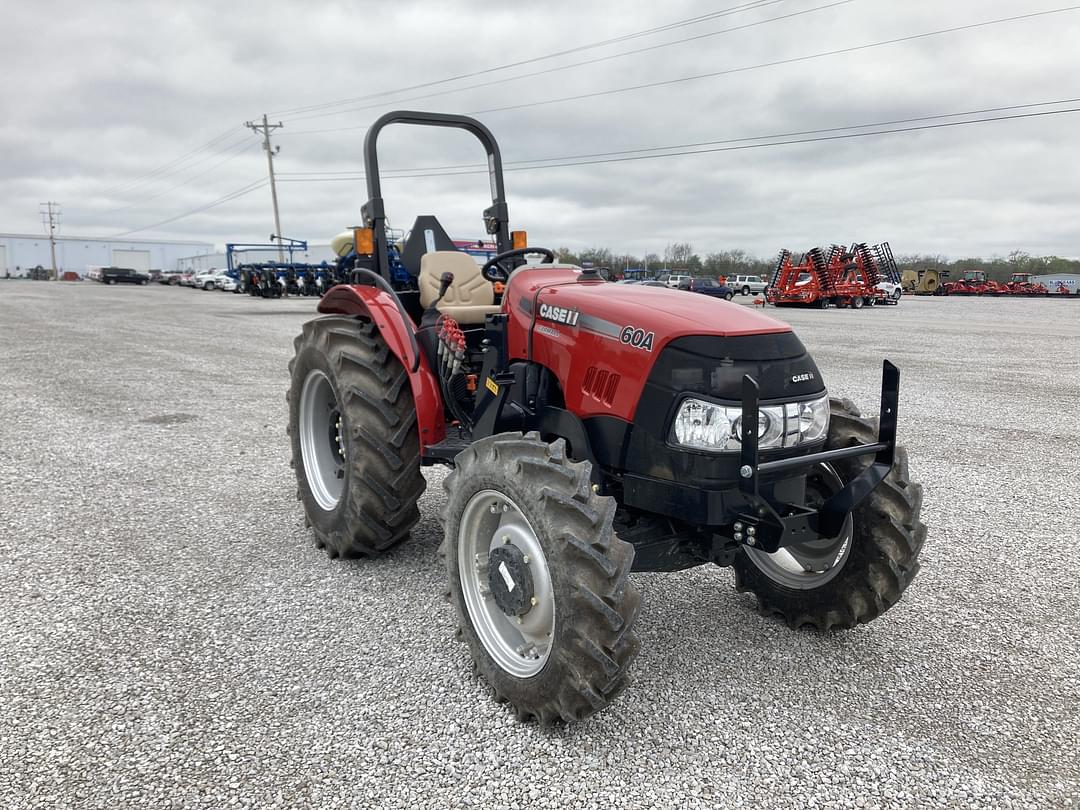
x,y
892,291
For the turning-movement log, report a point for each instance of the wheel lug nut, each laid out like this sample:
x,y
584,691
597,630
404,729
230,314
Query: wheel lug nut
x,y
751,531
738,535
520,620
738,527
505,540
533,601
750,541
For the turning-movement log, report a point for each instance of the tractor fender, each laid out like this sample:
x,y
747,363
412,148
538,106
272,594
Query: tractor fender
x,y
400,336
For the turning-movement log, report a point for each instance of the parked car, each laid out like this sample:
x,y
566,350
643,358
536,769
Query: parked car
x,y
169,277
187,279
653,283
226,282
675,279
123,275
747,285
708,286
206,279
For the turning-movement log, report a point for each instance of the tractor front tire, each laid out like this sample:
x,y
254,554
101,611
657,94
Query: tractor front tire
x,y
355,445
881,555
538,578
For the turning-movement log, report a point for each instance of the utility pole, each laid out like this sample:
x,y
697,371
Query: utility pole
x,y
50,218
265,128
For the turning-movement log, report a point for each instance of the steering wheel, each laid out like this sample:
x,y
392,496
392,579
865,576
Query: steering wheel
x,y
494,271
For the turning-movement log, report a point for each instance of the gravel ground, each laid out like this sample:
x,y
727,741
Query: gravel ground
x,y
170,637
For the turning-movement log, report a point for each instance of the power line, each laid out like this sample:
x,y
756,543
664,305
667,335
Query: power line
x,y
244,146
134,182
750,6
571,65
261,182
790,61
353,173
741,69
741,147
129,184
232,195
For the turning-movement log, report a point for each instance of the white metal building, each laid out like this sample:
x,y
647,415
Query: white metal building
x,y
1071,282
19,252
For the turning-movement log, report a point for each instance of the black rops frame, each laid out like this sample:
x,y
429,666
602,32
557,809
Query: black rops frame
x,y
496,218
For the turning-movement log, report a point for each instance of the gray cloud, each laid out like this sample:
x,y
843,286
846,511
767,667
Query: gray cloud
x,y
123,87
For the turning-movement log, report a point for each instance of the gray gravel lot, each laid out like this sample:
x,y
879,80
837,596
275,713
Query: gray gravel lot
x,y
170,637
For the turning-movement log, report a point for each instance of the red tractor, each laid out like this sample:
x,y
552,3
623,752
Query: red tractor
x,y
972,282
593,429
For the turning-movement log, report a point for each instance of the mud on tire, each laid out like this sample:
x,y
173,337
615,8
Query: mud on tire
x,y
595,604
380,477
883,559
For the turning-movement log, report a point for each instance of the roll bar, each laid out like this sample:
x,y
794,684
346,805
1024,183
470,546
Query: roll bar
x,y
496,218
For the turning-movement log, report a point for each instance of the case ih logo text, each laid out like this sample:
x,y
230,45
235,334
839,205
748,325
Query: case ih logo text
x,y
798,378
638,338
559,314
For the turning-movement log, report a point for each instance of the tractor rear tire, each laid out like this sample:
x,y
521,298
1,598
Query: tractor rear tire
x,y
355,445
881,560
562,651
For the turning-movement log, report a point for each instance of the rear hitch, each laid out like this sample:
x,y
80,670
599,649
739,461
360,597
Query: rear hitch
x,y
770,525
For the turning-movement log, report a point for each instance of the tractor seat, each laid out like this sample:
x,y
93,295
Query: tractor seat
x,y
470,299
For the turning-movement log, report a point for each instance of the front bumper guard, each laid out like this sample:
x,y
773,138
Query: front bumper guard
x,y
769,524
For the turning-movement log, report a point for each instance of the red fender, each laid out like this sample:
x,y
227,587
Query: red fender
x,y
380,307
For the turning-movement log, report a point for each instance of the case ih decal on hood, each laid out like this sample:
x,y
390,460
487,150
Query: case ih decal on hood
x,y
559,314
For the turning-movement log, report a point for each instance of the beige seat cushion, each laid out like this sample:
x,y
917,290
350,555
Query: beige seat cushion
x,y
470,298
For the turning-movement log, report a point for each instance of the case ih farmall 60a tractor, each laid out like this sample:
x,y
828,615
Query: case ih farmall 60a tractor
x,y
593,430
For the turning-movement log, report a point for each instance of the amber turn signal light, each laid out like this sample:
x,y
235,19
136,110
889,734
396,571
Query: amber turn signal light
x,y
364,241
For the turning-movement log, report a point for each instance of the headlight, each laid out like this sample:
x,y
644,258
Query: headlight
x,y
708,426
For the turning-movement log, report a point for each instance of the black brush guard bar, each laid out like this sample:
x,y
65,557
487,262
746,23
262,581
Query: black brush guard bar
x,y
770,525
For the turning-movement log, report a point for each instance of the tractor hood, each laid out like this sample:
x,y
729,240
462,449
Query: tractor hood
x,y
606,343
667,314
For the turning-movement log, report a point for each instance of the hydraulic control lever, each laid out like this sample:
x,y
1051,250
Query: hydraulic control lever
x,y
445,280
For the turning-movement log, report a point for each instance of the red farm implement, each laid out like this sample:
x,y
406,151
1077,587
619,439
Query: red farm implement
x,y
974,282
856,276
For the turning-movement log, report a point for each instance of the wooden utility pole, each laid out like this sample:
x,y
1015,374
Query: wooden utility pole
x,y
265,128
50,218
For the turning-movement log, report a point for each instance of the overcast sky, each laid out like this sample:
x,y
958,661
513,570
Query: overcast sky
x,y
97,95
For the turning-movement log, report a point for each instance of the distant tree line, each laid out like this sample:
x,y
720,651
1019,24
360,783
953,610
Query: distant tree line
x,y
996,268
677,257
680,257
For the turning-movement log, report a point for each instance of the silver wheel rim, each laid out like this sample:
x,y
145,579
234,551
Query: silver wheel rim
x,y
808,565
321,444
519,646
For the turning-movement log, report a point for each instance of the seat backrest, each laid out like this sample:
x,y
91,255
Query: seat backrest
x,y
469,288
426,236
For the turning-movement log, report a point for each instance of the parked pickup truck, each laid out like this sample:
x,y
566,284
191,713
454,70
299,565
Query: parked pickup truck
x,y
123,275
